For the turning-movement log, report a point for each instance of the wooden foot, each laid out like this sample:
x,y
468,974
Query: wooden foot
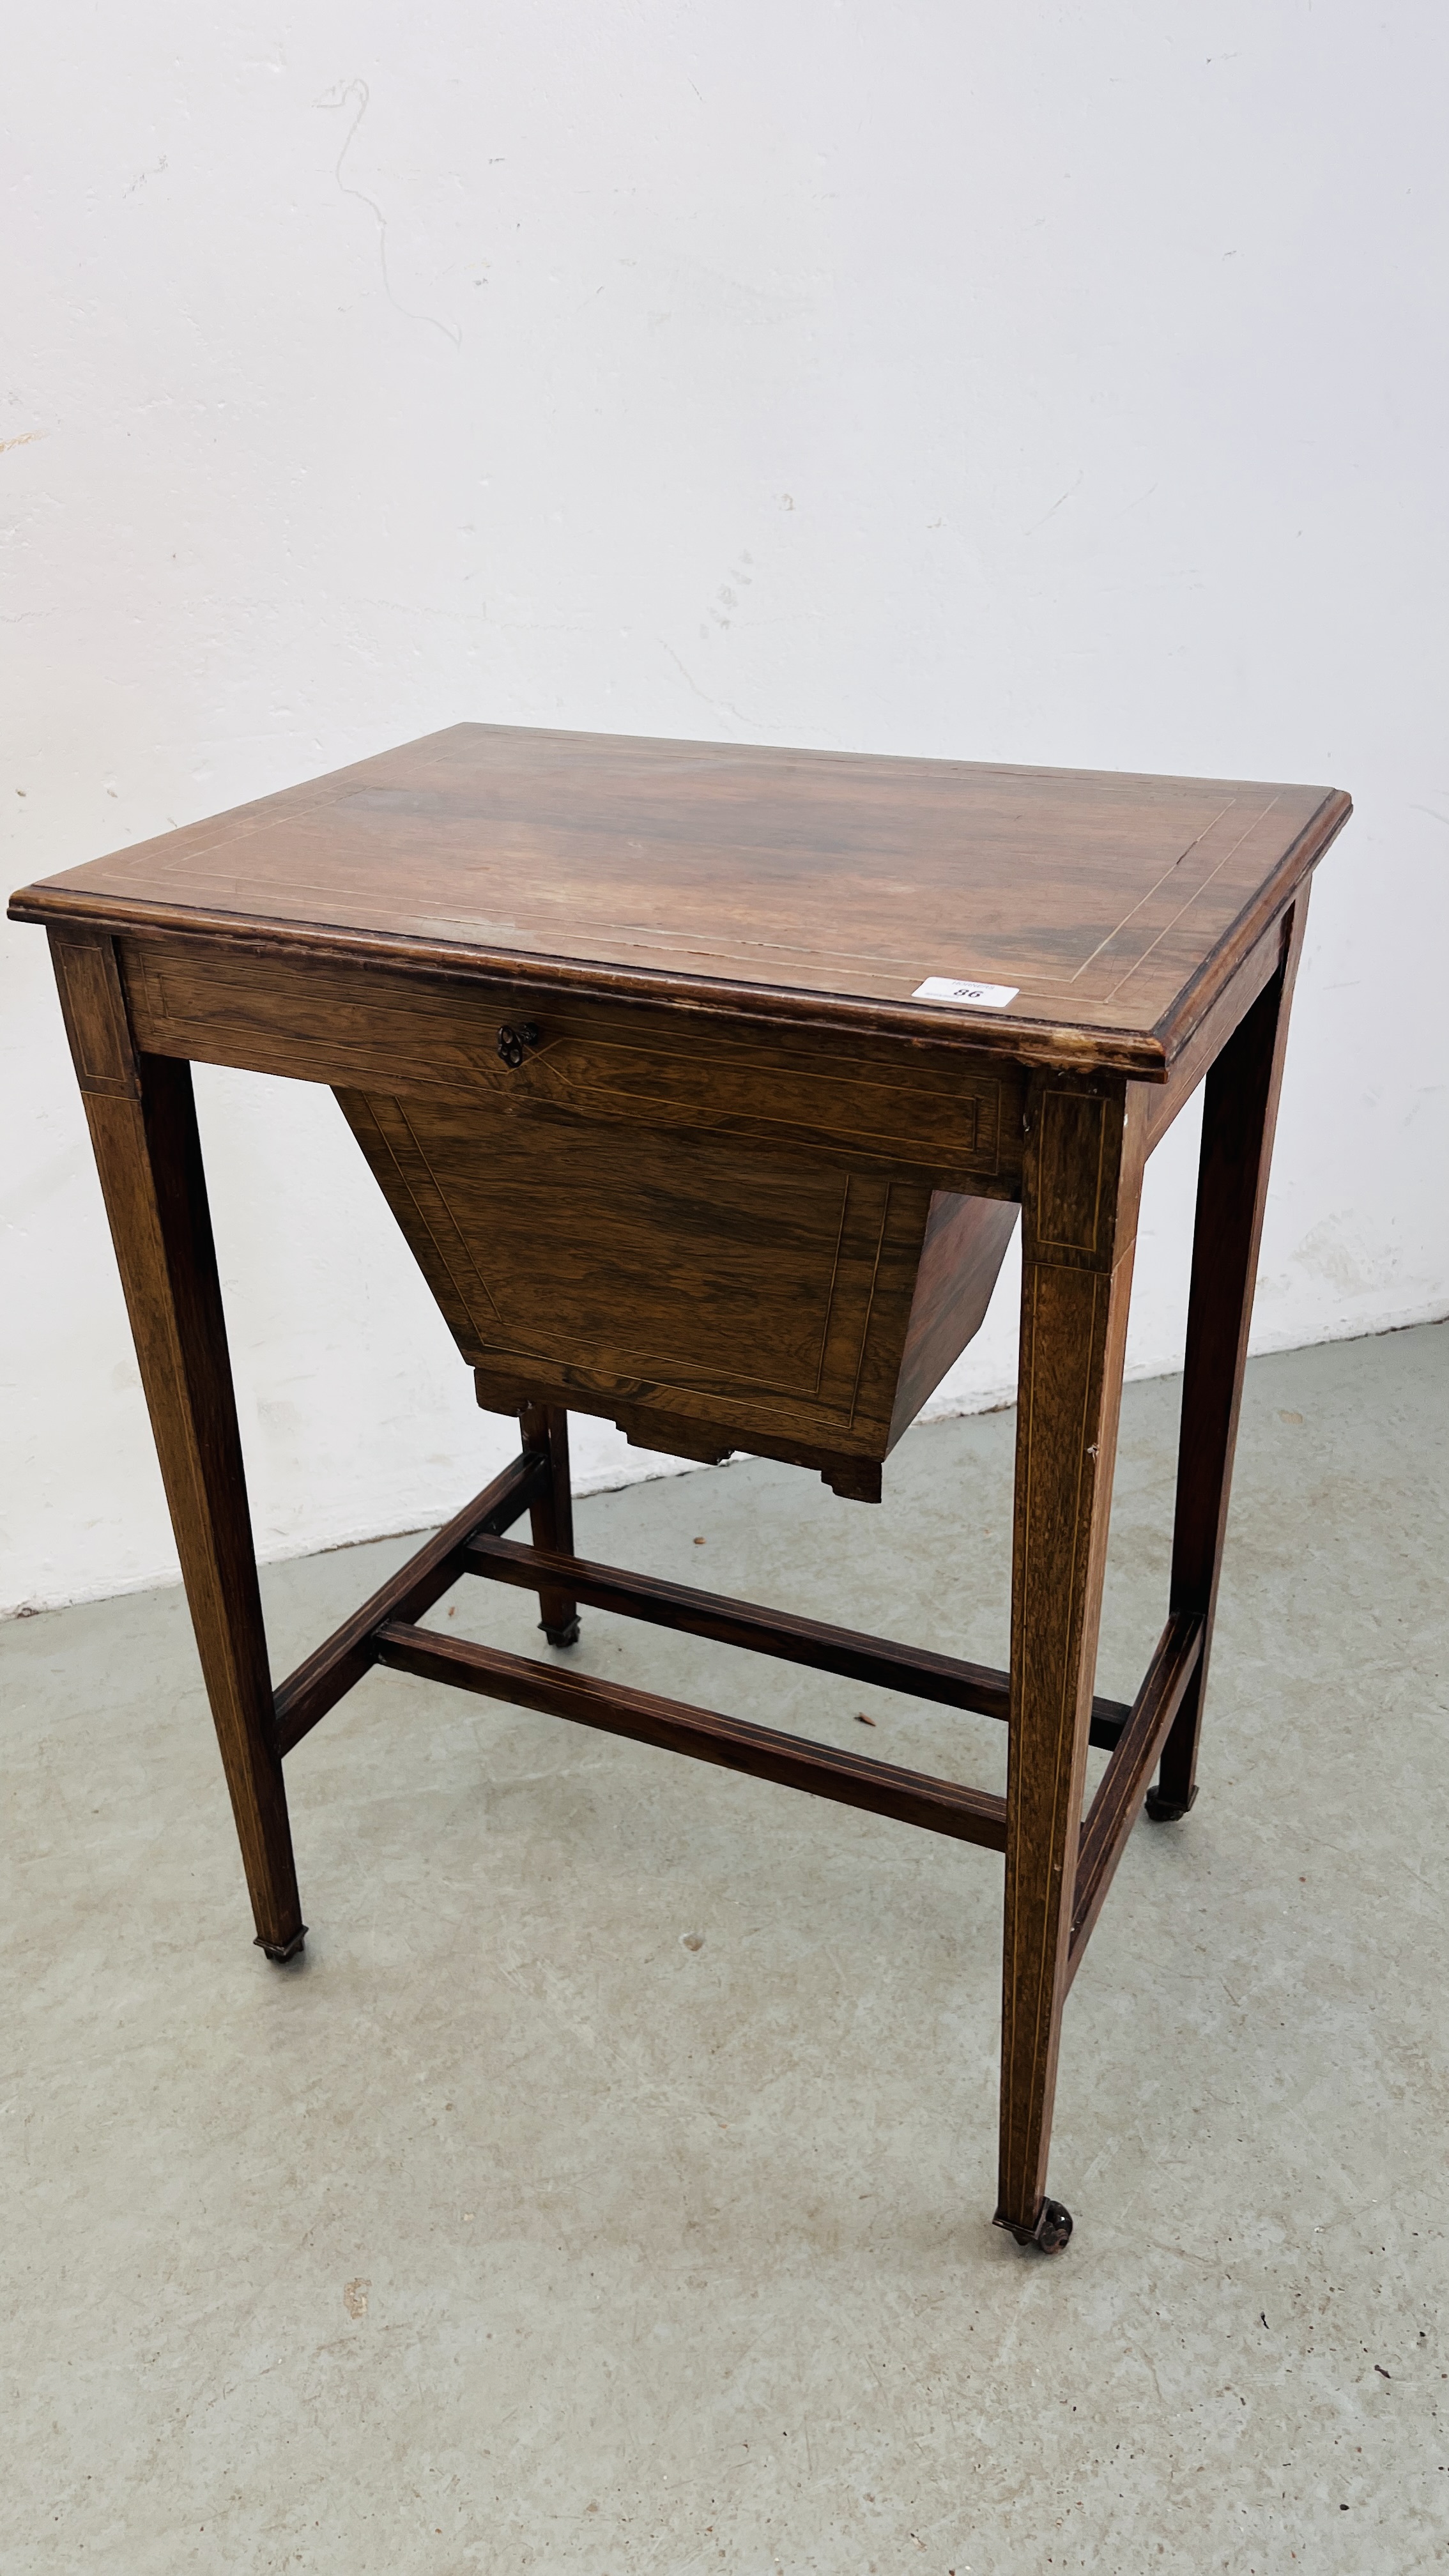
x,y
1081,1184
546,1429
1240,1110
148,1154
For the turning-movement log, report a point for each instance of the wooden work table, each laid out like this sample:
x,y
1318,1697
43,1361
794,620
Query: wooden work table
x,y
632,1036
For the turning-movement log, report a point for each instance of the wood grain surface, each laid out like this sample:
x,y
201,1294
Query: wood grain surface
x,y
879,1662
824,1770
1240,1114
661,1280
142,1120
1086,1149
818,884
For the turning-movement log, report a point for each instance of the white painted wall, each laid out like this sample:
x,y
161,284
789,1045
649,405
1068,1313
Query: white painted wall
x,y
1024,383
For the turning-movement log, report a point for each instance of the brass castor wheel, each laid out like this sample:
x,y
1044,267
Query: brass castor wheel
x,y
1168,1811
568,1636
279,1952
1052,2228
1051,2232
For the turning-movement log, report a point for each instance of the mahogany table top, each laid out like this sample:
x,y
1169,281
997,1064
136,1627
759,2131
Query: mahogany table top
x,y
817,886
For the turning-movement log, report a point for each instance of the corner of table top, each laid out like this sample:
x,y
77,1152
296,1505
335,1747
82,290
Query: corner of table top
x,y
1180,1023
26,904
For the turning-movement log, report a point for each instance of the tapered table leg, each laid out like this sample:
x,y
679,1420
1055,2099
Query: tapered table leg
x,y
143,1128
1240,1111
546,1427
1080,1190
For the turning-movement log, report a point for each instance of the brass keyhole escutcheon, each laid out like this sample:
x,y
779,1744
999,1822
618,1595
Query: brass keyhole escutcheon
x,y
514,1043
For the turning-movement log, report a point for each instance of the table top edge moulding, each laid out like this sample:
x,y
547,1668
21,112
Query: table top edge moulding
x,y
818,888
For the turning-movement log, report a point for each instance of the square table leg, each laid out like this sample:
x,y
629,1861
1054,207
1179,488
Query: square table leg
x,y
1081,1184
142,1119
546,1429
1240,1110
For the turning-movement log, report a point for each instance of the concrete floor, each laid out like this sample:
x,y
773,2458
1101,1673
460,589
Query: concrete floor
x,y
610,2187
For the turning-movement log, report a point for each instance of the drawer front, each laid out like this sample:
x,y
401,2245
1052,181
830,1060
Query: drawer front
x,y
372,1029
